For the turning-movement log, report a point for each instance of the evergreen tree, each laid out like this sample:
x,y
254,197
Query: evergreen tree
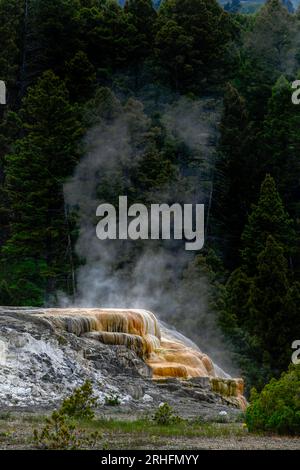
x,y
153,172
269,48
272,311
261,297
281,144
36,257
142,15
80,77
174,48
95,50
267,321
11,25
191,41
11,22
236,174
108,37
267,218
51,37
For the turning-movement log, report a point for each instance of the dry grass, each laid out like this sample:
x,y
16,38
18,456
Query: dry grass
x,y
16,432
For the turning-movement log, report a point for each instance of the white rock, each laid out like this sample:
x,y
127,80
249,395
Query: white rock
x,y
3,352
147,398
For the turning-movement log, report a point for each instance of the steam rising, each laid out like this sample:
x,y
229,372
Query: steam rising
x,y
153,275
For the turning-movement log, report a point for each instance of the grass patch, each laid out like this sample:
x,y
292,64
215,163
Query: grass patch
x,y
34,419
146,428
5,415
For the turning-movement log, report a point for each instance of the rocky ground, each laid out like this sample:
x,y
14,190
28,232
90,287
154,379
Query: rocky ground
x,y
16,432
40,365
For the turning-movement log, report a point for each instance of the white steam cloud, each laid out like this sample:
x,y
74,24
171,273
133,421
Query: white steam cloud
x,y
148,274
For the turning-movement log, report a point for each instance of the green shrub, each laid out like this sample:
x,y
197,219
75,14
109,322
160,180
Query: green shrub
x,y
57,434
165,416
81,404
61,430
112,400
277,407
60,433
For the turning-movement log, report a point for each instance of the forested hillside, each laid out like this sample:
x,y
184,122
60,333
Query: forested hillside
x,y
79,72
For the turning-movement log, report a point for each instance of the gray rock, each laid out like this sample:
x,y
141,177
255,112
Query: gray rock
x,y
40,366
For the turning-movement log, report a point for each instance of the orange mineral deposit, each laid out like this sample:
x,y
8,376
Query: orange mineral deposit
x,y
139,330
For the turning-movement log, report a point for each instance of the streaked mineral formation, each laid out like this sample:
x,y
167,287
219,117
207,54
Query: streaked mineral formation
x,y
139,330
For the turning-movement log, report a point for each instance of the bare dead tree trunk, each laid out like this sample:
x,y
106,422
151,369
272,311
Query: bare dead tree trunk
x,y
70,250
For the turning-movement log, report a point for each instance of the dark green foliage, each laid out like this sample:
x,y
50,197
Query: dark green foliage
x,y
71,65
11,18
269,48
277,407
32,260
51,36
164,415
80,76
192,38
268,217
257,110
11,22
23,282
259,313
258,137
153,171
112,400
281,144
236,173
81,404
58,434
62,431
141,16
267,315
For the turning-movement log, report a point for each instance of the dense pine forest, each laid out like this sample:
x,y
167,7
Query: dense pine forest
x,y
75,69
